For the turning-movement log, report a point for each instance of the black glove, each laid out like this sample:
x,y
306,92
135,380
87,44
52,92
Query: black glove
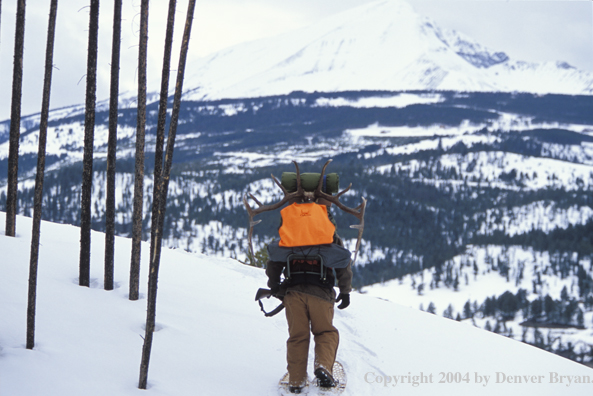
x,y
345,298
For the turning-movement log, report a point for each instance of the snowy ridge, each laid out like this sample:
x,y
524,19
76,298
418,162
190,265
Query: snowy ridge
x,y
506,170
543,216
89,341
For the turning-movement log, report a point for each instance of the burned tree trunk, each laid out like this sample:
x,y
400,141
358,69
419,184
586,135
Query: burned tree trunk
x,y
158,161
87,161
15,120
111,148
139,171
49,53
156,241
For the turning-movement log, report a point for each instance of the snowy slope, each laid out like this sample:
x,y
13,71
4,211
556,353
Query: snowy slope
x,y
484,272
478,282
381,45
211,338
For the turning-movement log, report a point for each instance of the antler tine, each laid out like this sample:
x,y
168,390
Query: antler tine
x,y
343,191
255,199
298,178
320,184
250,211
360,228
279,184
252,223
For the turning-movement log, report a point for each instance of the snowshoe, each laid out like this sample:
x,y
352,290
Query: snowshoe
x,y
286,390
324,380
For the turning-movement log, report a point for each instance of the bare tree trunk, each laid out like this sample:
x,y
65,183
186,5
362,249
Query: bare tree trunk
x,y
87,161
111,148
49,54
164,182
140,140
158,162
15,120
162,120
175,113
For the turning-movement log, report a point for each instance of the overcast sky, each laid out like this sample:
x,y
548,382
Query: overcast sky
x,y
531,30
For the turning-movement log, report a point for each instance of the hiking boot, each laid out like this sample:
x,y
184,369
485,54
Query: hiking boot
x,y
324,378
295,389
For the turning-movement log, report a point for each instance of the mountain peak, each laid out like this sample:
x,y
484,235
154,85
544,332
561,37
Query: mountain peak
x,y
470,50
382,45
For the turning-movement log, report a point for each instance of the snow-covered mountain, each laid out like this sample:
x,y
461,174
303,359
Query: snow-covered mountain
x,y
382,45
211,338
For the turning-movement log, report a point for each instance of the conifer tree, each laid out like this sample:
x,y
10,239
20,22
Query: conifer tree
x,y
49,52
89,132
580,318
420,289
467,310
15,120
488,327
111,147
448,313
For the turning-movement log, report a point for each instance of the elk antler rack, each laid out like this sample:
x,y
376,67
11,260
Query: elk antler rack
x,y
300,195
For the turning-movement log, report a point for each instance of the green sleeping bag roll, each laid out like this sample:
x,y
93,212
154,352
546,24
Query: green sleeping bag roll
x,y
310,181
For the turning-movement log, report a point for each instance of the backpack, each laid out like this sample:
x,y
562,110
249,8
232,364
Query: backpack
x,y
305,220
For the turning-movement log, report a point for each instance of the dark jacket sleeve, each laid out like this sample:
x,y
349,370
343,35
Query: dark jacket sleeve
x,y
344,276
274,271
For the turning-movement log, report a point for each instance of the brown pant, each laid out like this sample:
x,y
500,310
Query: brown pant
x,y
302,309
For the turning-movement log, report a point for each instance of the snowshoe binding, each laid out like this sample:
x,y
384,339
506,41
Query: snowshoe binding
x,y
324,378
330,383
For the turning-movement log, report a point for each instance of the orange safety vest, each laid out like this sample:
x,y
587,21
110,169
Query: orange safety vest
x,y
305,224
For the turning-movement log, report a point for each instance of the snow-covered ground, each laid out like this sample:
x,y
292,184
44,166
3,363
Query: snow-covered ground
x,y
211,338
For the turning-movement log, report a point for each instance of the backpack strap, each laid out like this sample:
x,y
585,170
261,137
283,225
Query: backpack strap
x,y
318,276
266,293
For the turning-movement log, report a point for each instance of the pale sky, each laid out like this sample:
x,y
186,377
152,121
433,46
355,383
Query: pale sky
x,y
530,30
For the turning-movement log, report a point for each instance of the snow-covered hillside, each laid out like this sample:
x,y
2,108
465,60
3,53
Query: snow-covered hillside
x,y
381,45
464,283
211,338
